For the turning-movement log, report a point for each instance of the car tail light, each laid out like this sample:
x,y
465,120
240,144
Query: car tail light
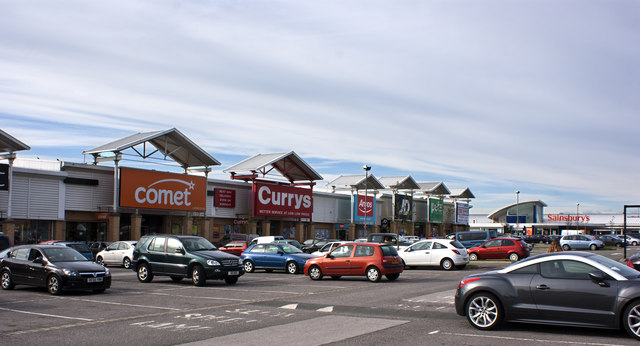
x,y
455,251
466,281
630,264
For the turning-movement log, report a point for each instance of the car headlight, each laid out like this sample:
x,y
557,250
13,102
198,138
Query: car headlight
x,y
213,263
107,271
69,272
239,261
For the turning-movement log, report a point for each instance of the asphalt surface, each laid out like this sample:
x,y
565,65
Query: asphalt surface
x,y
272,309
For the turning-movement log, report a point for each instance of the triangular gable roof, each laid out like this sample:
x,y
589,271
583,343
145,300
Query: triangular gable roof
x,y
359,182
290,165
399,183
434,188
461,193
170,143
9,144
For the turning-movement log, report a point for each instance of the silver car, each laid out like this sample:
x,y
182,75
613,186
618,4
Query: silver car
x,y
118,253
580,241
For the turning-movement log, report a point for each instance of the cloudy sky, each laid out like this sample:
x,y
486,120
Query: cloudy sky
x,y
498,96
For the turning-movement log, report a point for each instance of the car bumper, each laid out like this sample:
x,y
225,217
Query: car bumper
x,y
392,268
218,273
69,283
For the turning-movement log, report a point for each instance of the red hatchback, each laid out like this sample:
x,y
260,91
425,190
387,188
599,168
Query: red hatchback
x,y
235,247
355,259
500,248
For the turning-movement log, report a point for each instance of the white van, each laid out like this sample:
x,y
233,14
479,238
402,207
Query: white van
x,y
267,239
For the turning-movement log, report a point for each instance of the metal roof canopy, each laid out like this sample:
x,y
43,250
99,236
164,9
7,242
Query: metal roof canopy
x,y
171,143
357,182
289,165
9,144
461,193
399,183
504,210
434,188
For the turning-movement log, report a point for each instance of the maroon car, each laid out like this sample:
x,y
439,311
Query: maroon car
x,y
500,248
235,247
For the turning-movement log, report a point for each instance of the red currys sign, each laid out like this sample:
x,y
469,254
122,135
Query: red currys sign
x,y
282,200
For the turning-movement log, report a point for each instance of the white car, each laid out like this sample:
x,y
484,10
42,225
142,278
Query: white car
x,y
118,253
328,247
412,238
633,241
446,253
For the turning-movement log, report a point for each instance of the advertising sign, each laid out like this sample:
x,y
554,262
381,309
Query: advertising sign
x,y
224,198
364,210
436,210
403,208
159,190
4,177
462,215
282,201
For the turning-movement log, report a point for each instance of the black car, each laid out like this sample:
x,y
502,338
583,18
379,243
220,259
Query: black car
x,y
97,246
572,289
58,268
313,245
184,257
5,242
611,240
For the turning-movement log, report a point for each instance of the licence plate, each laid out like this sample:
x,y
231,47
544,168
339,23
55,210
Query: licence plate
x,y
395,261
90,280
234,273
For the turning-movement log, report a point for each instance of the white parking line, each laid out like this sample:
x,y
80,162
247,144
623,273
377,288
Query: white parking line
x,y
124,304
528,339
198,297
47,315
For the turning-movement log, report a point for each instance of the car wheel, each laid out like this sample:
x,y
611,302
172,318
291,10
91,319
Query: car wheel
x,y
336,277
292,267
315,273
231,280
566,247
373,274
513,257
99,260
54,285
593,247
392,277
144,273
198,276
249,267
473,256
126,263
631,319
176,278
7,281
635,243
447,264
484,311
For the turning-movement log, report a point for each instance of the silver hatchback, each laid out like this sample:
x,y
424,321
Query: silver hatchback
x,y
118,253
580,241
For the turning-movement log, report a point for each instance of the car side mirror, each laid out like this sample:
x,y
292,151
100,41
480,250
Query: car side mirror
x,y
281,253
38,260
180,251
598,277
408,249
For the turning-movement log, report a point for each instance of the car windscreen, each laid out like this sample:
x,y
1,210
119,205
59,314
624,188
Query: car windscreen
x,y
619,268
197,244
63,254
389,251
80,247
457,244
290,249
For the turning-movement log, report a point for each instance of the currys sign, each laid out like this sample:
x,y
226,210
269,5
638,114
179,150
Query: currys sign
x,y
364,209
282,200
158,190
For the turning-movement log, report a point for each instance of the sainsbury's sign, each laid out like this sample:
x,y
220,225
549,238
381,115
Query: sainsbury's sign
x,y
568,218
282,200
159,190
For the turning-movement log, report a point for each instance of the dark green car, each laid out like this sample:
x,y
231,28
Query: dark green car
x,y
182,257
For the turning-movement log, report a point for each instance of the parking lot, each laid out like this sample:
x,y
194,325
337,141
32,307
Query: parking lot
x,y
270,308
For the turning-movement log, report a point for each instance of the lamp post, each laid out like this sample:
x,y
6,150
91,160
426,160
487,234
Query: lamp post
x,y
577,215
517,211
366,212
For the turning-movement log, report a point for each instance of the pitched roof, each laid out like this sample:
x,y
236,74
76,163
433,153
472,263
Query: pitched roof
x,y
434,188
9,144
399,183
359,182
290,165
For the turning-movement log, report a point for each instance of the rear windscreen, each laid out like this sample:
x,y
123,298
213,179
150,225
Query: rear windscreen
x,y
389,251
457,244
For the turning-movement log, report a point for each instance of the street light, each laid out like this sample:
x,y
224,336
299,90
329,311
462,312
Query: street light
x,y
577,215
517,211
366,177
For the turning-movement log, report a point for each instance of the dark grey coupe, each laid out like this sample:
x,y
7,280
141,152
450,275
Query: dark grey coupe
x,y
574,289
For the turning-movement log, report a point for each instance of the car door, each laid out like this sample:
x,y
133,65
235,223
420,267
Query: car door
x,y
418,254
176,261
339,260
36,272
156,254
110,253
362,258
274,257
18,265
490,249
437,253
563,291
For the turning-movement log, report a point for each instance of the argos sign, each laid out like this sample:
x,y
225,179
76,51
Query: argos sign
x,y
364,209
282,200
158,190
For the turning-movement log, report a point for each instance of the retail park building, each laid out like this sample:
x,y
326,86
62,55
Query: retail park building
x,y
267,194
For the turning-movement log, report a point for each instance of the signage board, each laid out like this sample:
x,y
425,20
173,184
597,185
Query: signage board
x,y
4,177
159,190
364,209
282,200
224,198
436,210
462,213
403,207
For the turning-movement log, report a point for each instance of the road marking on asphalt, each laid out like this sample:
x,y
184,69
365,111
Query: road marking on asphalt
x,y
289,306
434,332
327,309
124,304
48,315
198,297
444,297
332,330
528,339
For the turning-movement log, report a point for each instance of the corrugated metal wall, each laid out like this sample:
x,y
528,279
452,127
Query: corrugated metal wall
x,y
36,197
89,197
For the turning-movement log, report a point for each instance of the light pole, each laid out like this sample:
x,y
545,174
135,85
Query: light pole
x,y
366,177
517,211
577,215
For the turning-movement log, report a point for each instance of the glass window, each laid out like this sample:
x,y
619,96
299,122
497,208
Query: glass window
x,y
20,254
342,251
271,249
364,251
507,242
112,247
457,244
389,251
438,246
173,245
157,244
566,269
123,246
423,246
493,243
34,254
258,248
530,269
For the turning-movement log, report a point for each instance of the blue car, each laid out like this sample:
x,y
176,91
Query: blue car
x,y
272,256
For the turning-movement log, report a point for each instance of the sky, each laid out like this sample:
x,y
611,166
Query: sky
x,y
540,97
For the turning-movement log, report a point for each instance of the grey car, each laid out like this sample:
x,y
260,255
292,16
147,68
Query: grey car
x,y
580,242
579,289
